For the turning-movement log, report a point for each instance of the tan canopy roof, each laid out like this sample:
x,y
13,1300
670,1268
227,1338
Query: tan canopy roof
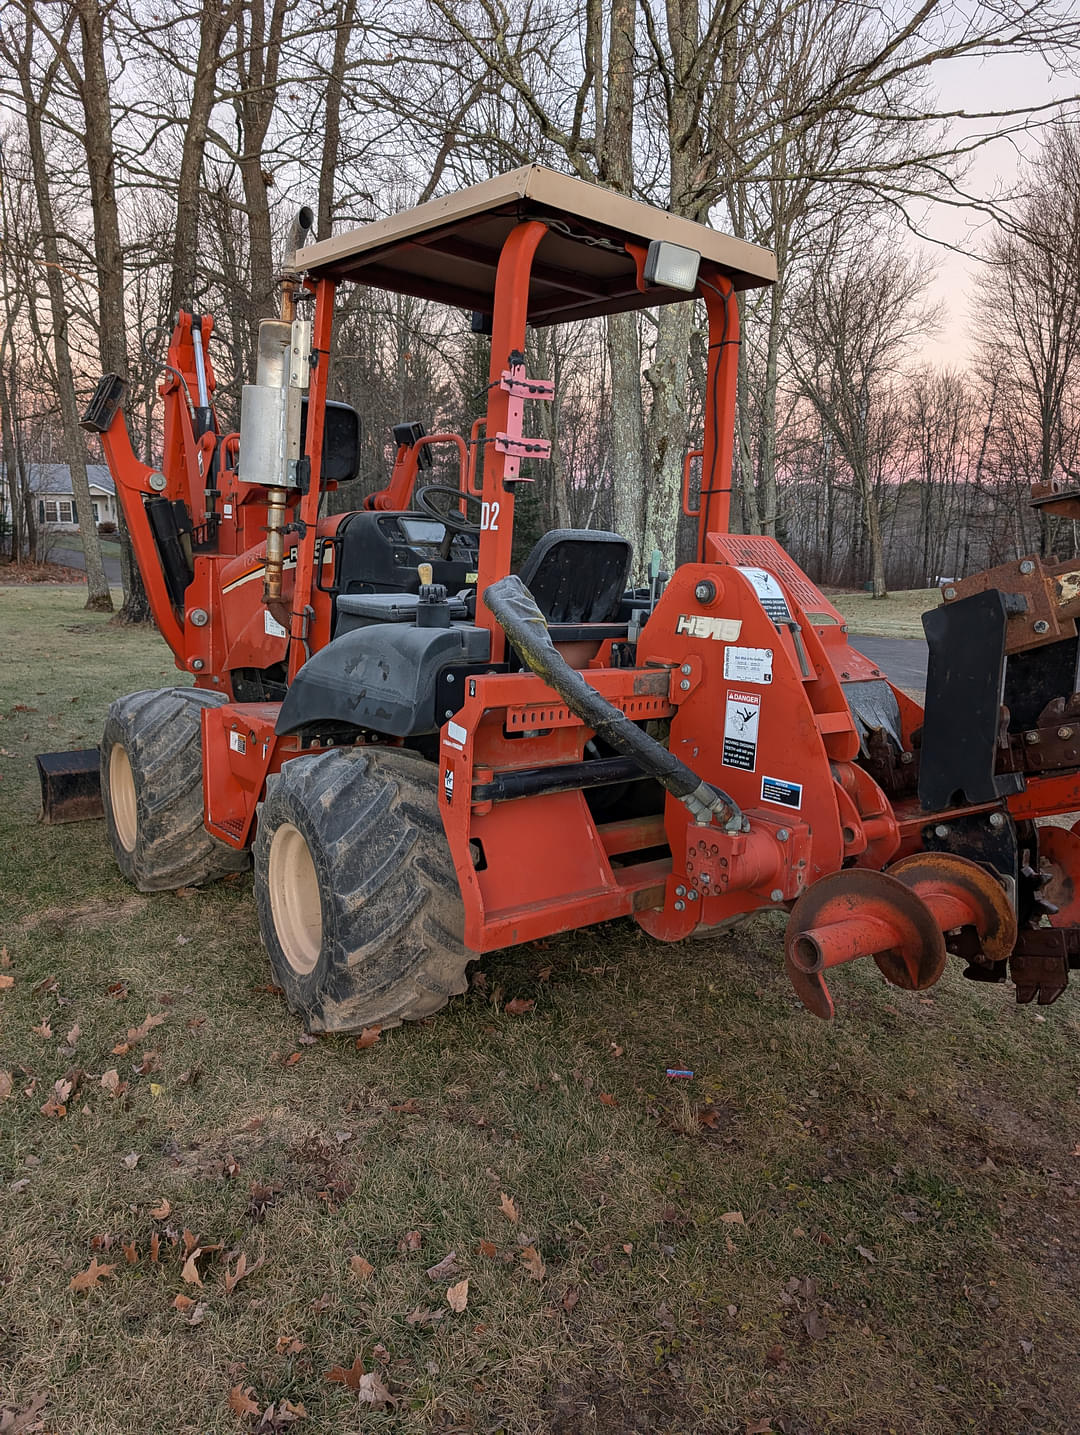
x,y
448,249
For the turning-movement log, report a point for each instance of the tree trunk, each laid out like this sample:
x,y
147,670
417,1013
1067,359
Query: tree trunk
x,y
346,14
615,127
93,85
214,23
99,599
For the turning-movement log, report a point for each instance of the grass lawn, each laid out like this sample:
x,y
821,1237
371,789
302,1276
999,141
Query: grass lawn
x,y
897,616
861,1228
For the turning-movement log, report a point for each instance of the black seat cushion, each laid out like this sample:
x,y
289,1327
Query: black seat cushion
x,y
578,575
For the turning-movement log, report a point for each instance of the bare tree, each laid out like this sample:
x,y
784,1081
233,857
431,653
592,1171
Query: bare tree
x,y
1028,318
854,323
36,85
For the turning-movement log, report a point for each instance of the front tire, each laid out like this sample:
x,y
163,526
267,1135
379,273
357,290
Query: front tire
x,y
152,786
358,900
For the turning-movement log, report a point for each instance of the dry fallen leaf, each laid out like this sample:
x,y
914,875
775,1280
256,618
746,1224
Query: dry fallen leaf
x,y
160,1212
445,1268
240,1401
368,1037
6,981
519,1006
155,1246
6,1084
190,1272
350,1377
131,1255
571,1298
866,1254
733,1218
360,1268
233,1278
145,1027
72,1037
44,1030
289,1345
457,1296
183,1302
814,1325
15,1421
410,1241
507,1206
131,1160
424,1315
533,1263
487,1248
110,1081
607,1098
87,1280
373,1390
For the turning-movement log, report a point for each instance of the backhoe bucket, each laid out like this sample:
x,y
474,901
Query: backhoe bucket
x,y
70,785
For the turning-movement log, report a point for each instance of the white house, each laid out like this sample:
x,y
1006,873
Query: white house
x,y
51,485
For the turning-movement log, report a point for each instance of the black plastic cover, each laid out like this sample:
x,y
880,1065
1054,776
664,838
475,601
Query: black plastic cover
x,y
341,441
381,678
962,712
170,523
578,575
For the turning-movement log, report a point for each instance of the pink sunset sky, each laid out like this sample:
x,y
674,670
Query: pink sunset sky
x,y
1004,82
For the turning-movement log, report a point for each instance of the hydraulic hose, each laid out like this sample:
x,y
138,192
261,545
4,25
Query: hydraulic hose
x,y
515,609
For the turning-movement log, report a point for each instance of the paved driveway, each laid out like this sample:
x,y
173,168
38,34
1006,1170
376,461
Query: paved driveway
x,y
75,558
903,659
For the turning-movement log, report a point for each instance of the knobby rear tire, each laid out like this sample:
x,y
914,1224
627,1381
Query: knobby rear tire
x,y
152,786
366,928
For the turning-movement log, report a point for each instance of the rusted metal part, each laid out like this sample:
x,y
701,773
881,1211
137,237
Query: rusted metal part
x,y
1059,497
861,913
960,893
1041,962
1059,867
895,772
70,785
1042,599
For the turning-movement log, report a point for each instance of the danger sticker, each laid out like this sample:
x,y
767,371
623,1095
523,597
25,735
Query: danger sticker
x,y
748,665
783,793
238,742
770,594
741,716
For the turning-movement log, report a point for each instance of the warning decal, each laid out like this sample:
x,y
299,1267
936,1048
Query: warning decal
x,y
742,714
782,792
770,594
748,665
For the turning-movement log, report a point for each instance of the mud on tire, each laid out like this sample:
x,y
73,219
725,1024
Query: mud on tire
x,y
358,901
152,786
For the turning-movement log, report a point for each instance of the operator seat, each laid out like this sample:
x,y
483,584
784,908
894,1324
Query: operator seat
x,y
578,575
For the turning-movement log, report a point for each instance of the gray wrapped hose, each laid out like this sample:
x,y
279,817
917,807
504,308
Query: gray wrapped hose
x,y
515,609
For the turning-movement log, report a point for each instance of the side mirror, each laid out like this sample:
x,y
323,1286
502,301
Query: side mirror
x,y
341,441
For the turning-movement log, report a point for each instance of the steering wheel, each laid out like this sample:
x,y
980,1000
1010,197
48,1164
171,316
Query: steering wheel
x,y
452,514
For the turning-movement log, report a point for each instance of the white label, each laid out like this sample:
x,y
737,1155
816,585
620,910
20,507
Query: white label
x,y
272,626
456,735
238,742
742,714
748,665
489,517
700,625
770,594
226,508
